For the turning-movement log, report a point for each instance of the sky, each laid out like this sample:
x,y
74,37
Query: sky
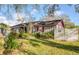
x,y
70,11
9,16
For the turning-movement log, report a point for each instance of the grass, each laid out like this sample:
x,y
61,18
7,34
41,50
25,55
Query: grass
x,y
44,47
1,45
50,47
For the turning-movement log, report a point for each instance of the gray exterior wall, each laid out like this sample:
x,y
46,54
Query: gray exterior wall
x,y
48,29
71,34
59,32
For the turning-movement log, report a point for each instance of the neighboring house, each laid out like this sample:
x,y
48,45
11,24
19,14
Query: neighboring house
x,y
55,26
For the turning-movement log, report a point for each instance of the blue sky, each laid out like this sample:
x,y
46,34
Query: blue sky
x,y
70,11
5,17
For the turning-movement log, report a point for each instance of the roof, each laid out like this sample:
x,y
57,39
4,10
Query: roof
x,y
40,23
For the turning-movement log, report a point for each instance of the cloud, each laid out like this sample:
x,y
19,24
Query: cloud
x,y
21,15
59,13
13,22
34,11
3,20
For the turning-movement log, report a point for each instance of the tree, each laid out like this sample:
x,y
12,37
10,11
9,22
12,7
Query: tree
x,y
52,8
18,8
48,9
76,8
3,28
31,19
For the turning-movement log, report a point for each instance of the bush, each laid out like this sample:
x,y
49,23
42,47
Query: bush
x,y
44,35
10,41
24,35
20,35
49,34
16,35
37,35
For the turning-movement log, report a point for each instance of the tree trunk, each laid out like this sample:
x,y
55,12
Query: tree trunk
x,y
30,26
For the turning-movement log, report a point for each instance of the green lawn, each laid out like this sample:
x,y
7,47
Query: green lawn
x,y
49,47
44,47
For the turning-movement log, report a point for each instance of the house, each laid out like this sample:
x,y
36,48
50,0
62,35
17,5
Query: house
x,y
40,26
55,26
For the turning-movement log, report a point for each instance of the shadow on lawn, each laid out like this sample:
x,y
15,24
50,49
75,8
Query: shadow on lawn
x,y
34,42
58,45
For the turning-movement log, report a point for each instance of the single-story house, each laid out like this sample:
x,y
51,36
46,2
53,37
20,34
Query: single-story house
x,y
40,26
55,26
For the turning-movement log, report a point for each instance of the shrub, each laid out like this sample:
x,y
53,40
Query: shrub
x,y
37,35
20,34
44,35
17,35
49,34
40,35
10,41
24,35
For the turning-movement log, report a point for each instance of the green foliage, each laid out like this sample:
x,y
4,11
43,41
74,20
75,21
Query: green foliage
x,y
77,26
16,35
37,35
69,25
4,26
49,34
20,34
24,35
10,41
44,35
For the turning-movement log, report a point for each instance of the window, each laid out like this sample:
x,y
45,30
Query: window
x,y
59,30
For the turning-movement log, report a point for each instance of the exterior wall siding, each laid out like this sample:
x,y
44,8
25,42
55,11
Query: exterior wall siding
x,y
48,29
59,32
